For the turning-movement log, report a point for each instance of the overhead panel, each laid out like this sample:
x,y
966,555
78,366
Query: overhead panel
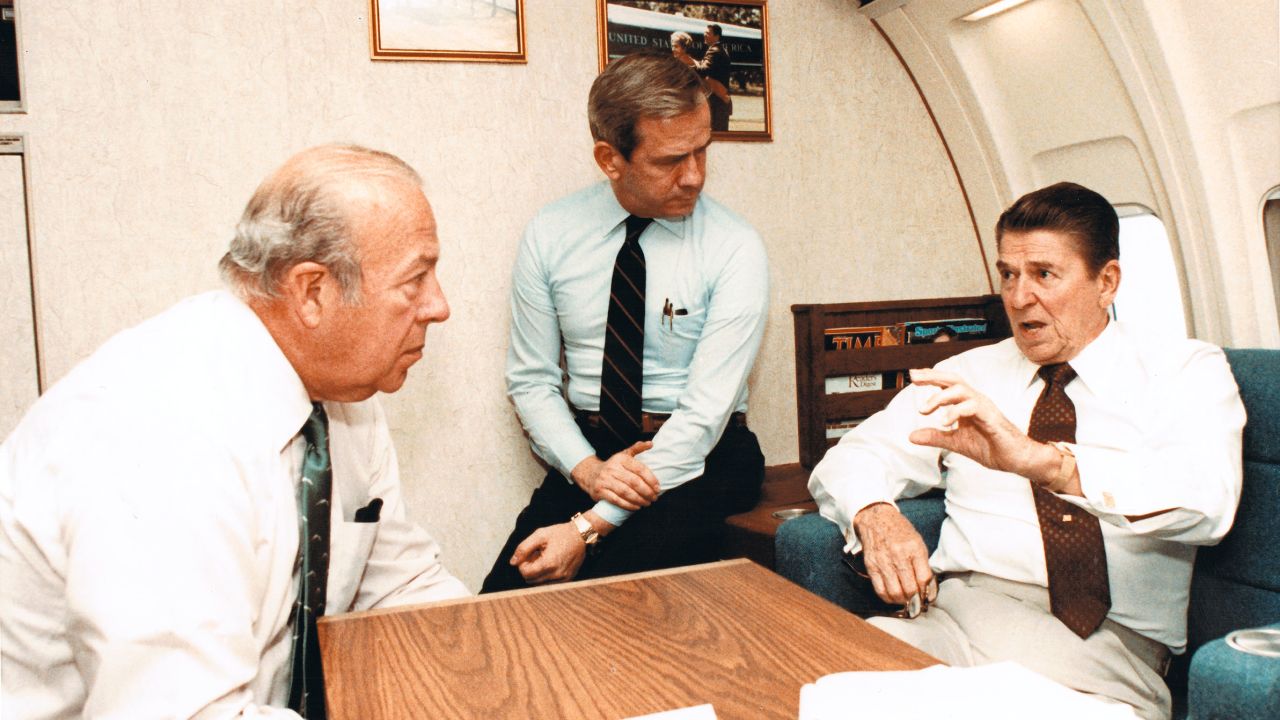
x,y
1046,84
1124,179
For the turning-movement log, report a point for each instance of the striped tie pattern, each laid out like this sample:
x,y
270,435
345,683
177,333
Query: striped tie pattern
x,y
621,371
1079,592
306,692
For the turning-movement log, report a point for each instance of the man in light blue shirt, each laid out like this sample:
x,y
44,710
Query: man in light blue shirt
x,y
657,498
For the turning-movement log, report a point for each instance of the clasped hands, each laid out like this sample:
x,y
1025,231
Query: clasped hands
x,y
555,553
967,423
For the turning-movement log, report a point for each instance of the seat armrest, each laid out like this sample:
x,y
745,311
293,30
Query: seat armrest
x,y
1226,684
810,548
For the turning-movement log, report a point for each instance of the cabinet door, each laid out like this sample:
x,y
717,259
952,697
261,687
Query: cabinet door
x,y
19,384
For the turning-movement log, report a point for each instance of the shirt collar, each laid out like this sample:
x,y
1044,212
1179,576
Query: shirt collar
x,y
275,400
1092,364
1096,363
614,215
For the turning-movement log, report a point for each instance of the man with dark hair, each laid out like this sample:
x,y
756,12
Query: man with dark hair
x,y
714,69
179,509
656,296
1083,464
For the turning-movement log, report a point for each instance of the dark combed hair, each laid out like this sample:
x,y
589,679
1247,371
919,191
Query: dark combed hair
x,y
1069,208
636,86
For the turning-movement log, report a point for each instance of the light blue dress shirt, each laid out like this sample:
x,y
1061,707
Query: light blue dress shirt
x,y
709,268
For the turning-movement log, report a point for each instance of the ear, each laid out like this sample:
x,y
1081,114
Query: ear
x,y
609,159
1108,283
303,288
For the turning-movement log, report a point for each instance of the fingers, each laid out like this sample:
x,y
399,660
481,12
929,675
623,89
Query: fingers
x,y
534,571
897,579
531,547
648,480
627,482
629,492
623,496
951,395
896,558
925,579
931,437
639,447
937,378
946,436
557,557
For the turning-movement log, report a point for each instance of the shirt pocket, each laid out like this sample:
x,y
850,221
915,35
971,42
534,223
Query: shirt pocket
x,y
680,334
349,546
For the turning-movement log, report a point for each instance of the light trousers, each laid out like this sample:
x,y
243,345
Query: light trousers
x,y
979,619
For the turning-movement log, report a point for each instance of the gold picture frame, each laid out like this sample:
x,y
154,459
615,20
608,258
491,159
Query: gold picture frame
x,y
626,26
447,30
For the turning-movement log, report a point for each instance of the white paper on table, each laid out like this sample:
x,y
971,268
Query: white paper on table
x,y
988,692
697,712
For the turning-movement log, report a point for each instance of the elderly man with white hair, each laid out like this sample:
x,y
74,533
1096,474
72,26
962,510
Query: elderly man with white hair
x,y
178,510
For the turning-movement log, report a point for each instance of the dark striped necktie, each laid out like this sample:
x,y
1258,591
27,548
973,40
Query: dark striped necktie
x,y
621,371
1074,554
306,692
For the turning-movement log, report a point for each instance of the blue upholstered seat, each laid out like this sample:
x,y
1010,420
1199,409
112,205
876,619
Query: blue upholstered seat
x,y
1235,585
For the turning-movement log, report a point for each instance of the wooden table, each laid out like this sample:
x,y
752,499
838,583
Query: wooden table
x,y
729,633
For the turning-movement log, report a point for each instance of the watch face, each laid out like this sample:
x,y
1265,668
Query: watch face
x,y
585,529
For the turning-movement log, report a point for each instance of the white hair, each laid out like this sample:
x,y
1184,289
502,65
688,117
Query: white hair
x,y
302,212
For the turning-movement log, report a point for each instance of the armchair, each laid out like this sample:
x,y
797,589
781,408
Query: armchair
x,y
1236,584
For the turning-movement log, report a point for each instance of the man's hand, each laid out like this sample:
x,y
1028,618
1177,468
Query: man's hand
x,y
978,431
551,554
896,557
622,479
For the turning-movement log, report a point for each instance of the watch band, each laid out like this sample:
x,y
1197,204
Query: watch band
x,y
585,529
1065,470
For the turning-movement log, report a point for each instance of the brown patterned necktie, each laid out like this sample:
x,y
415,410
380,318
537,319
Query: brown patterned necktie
x,y
1079,593
622,369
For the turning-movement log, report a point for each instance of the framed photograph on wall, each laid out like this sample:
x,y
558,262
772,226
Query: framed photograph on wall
x,y
457,30
726,41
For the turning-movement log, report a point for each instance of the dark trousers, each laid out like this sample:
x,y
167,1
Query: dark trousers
x,y
683,527
720,112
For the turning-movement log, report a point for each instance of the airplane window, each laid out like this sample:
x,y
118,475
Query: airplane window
x,y
1149,293
1271,231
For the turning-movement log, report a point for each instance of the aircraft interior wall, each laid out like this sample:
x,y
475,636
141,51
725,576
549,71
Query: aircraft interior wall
x,y
148,125
1173,106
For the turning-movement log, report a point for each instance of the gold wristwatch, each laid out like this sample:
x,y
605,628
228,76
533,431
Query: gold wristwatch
x,y
585,529
1066,470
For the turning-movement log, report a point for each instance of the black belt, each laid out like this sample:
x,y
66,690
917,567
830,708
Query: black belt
x,y
650,422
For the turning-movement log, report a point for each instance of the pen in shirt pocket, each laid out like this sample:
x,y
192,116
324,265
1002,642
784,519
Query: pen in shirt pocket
x,y
670,313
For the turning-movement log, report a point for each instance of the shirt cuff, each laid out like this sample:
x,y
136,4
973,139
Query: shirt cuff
x,y
611,513
570,453
852,545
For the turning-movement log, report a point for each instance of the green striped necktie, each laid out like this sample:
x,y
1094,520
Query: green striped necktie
x,y
306,692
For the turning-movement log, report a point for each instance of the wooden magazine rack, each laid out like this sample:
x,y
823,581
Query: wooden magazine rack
x,y
785,490
816,360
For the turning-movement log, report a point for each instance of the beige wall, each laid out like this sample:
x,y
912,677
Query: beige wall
x,y
18,359
149,124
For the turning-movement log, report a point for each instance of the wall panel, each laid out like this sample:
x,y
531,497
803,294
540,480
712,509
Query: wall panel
x,y
155,121
18,378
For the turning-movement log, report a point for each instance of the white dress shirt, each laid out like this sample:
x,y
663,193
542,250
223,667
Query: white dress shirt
x,y
1158,428
708,269
149,525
